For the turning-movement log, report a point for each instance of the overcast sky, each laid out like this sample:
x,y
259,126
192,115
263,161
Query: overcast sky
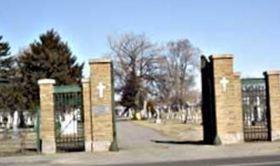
x,y
249,29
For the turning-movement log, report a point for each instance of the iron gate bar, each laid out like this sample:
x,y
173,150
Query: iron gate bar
x,y
67,89
67,99
255,111
253,81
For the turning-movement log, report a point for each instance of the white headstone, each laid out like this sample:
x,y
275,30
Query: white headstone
x,y
144,112
15,124
29,121
249,122
130,113
9,121
15,120
169,114
183,118
1,118
259,111
69,124
158,120
252,116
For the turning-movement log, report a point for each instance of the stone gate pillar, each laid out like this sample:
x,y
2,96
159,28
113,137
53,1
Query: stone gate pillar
x,y
228,101
102,104
47,120
87,115
273,94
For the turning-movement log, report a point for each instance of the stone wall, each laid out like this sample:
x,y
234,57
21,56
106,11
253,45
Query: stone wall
x,y
273,92
98,105
228,102
224,115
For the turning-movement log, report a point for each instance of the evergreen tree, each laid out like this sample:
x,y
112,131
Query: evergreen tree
x,y
11,94
11,97
49,57
6,61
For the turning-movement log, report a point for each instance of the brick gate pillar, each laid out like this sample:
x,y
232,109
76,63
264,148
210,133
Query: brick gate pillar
x,y
228,105
47,120
273,92
87,115
102,105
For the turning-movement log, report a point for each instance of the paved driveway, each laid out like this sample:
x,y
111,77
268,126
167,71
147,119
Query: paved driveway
x,y
134,137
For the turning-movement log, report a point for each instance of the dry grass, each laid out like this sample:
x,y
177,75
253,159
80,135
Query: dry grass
x,y
175,130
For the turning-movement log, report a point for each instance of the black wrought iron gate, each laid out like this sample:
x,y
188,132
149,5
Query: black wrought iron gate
x,y
255,111
208,102
69,121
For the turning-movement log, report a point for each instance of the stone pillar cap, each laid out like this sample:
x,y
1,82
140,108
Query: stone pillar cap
x,y
85,80
46,81
273,72
221,56
100,60
237,74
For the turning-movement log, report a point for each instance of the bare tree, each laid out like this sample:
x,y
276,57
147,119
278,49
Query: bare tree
x,y
181,61
145,72
136,68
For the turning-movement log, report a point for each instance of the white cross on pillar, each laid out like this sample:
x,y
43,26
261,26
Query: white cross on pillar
x,y
224,83
101,88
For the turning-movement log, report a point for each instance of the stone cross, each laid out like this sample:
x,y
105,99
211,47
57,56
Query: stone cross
x,y
101,88
224,81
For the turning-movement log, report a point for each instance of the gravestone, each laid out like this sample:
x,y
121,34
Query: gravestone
x,y
29,121
69,124
9,121
15,125
158,118
1,120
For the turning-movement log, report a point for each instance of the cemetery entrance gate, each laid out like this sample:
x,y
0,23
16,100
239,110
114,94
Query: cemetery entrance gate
x,y
69,120
255,110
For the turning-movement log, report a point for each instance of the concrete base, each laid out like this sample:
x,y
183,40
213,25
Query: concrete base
x,y
101,146
88,146
48,147
232,138
275,135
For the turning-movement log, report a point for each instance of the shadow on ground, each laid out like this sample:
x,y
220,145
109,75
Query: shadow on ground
x,y
178,142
